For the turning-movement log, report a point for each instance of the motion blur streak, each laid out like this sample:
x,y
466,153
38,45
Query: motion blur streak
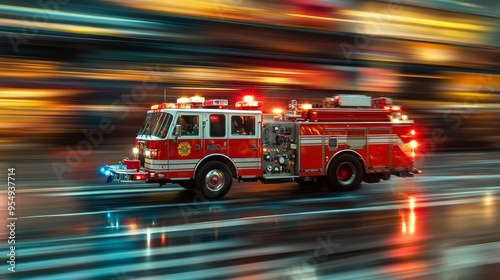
x,y
429,228
68,66
45,19
96,51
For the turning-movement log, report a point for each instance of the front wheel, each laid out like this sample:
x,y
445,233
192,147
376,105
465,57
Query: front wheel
x,y
214,180
188,185
345,173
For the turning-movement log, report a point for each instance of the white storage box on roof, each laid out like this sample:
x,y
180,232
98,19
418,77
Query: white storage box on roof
x,y
350,100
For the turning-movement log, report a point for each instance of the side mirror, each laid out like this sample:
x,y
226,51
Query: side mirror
x,y
177,132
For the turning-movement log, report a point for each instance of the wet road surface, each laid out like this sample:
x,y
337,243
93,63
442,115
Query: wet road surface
x,y
442,224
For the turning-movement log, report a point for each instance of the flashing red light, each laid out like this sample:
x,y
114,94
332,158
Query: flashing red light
x,y
249,104
304,106
164,106
248,98
393,108
140,177
413,144
277,111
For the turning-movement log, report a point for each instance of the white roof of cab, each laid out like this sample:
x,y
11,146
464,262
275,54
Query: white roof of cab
x,y
210,111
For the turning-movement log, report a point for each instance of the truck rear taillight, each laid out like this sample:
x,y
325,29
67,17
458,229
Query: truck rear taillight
x,y
413,143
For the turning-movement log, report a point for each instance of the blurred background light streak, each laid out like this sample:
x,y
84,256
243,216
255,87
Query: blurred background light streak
x,y
65,65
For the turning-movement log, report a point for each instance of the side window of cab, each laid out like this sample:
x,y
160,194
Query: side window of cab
x,y
242,125
189,124
217,125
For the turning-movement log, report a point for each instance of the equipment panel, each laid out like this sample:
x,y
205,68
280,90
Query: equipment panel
x,y
279,149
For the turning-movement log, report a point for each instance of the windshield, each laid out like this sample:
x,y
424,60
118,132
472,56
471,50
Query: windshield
x,y
156,124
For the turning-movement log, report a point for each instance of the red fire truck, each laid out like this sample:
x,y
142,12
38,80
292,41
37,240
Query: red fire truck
x,y
204,145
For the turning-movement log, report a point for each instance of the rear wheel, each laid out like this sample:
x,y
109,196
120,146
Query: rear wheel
x,y
372,178
345,173
311,183
214,179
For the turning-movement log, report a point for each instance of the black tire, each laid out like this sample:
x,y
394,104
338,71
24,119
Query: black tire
x,y
345,173
214,179
372,178
313,184
188,185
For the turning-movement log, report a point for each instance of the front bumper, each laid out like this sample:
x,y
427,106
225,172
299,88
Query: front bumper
x,y
120,173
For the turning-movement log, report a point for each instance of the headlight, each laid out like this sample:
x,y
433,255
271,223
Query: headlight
x,y
135,151
151,153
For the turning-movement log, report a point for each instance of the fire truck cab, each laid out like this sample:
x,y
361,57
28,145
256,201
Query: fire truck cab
x,y
201,144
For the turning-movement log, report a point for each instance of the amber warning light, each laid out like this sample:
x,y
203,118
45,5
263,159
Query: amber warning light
x,y
193,102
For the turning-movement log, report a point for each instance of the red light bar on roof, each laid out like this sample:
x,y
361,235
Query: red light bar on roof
x,y
249,104
168,106
164,106
216,103
183,100
195,101
248,98
190,102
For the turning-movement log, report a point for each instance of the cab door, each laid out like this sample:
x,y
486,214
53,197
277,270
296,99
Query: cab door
x,y
215,135
244,145
185,151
